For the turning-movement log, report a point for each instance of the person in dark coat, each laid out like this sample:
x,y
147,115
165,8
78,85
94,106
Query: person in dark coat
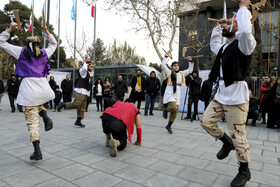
x,y
108,88
206,91
194,83
138,88
98,93
1,90
58,96
52,84
67,89
13,88
253,112
152,85
273,100
120,89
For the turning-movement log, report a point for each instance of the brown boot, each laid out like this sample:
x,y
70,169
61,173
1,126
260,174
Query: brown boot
x,y
108,138
113,144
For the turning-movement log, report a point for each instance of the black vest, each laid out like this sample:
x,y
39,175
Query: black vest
x,y
83,82
235,64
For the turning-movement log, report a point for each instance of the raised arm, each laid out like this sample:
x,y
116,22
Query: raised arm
x,y
83,70
216,39
52,45
164,67
9,48
246,40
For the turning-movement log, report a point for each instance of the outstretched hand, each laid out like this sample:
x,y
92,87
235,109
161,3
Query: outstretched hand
x,y
189,58
45,30
13,26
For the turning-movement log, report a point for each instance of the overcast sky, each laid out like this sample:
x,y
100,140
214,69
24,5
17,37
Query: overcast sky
x,y
109,26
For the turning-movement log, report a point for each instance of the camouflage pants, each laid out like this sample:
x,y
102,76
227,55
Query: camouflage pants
x,y
32,119
236,116
173,109
79,103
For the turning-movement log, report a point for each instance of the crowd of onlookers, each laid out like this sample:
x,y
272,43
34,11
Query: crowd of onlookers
x,y
268,105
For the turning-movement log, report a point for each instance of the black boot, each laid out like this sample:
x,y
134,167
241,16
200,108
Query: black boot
x,y
227,147
242,176
168,127
188,116
79,123
194,117
60,106
164,113
37,155
47,121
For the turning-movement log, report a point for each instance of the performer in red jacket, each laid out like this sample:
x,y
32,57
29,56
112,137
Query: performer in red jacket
x,y
118,118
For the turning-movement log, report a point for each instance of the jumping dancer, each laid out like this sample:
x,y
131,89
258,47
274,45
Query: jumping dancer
x,y
232,97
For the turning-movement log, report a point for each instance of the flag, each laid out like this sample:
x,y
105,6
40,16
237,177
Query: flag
x,y
93,8
30,21
73,13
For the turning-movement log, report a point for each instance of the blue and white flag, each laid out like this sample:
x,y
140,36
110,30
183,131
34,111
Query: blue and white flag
x,y
73,13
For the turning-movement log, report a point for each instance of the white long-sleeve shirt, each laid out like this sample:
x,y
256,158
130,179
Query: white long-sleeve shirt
x,y
83,72
238,92
169,96
33,91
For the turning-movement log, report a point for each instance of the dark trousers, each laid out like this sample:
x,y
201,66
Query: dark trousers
x,y
253,115
12,103
50,102
99,102
150,99
193,100
55,104
138,98
119,98
116,127
67,97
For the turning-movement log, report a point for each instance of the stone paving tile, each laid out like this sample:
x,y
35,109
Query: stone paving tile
x,y
168,168
28,178
223,169
21,151
56,182
7,158
269,168
171,157
53,163
198,176
98,179
2,183
163,180
193,162
135,174
88,159
265,178
70,153
145,151
140,160
109,165
14,168
73,172
126,183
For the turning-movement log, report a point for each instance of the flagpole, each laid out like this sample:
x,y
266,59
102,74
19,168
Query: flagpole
x,y
225,17
75,31
94,35
32,17
58,42
45,39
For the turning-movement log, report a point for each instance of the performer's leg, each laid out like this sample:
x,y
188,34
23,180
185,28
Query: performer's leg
x,y
211,116
148,100
173,109
81,110
47,121
77,101
153,98
32,119
236,117
119,140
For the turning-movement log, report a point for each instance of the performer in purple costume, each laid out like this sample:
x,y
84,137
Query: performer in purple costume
x,y
33,66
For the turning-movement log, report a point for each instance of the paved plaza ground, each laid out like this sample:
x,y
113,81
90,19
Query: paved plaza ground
x,y
75,156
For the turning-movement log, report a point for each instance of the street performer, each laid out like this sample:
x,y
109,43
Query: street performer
x,y
82,92
118,120
172,94
33,66
232,97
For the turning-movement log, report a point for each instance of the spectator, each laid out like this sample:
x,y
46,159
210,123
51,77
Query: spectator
x,y
1,90
138,88
265,87
194,82
58,96
206,91
253,112
273,101
120,89
13,87
152,86
52,84
67,89
108,88
98,94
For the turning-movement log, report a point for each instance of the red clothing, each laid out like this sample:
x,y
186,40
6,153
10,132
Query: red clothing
x,y
125,112
264,90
